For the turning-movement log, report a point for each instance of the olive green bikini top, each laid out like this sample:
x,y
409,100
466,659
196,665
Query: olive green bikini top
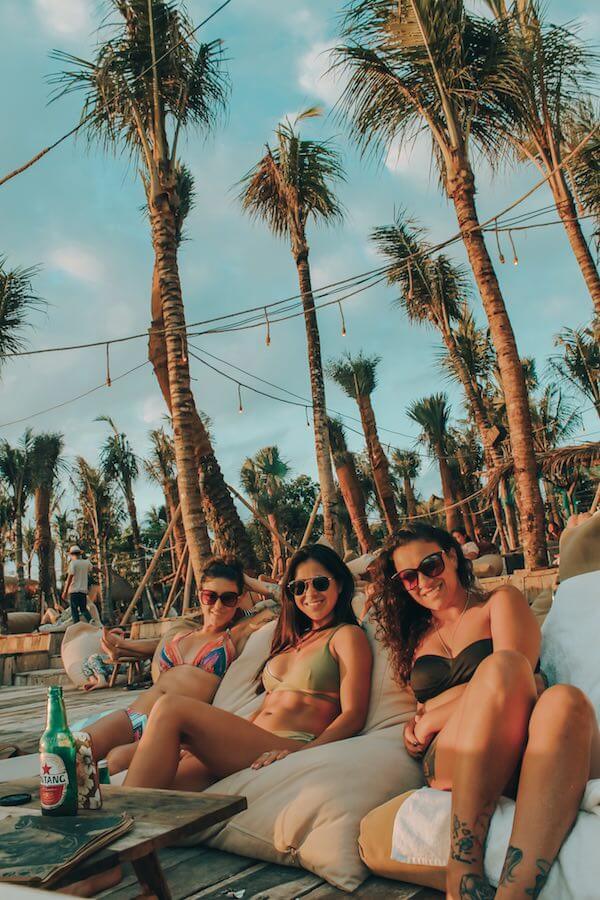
x,y
317,675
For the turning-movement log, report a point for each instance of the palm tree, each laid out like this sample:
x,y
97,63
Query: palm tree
x,y
47,464
350,486
160,468
584,169
407,464
101,513
63,529
16,471
424,65
5,522
357,376
148,81
17,300
554,73
432,414
262,477
556,420
579,365
288,187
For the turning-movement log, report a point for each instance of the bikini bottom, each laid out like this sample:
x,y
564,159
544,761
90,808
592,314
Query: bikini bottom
x,y
428,762
302,736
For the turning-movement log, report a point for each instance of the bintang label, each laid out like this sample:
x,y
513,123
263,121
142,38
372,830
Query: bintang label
x,y
54,781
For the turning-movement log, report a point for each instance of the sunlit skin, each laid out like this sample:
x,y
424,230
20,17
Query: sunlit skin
x,y
220,743
497,725
112,735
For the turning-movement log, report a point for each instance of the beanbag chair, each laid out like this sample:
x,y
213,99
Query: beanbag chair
x,y
80,641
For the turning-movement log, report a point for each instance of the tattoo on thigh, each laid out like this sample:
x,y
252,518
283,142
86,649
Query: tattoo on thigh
x,y
513,857
475,887
540,879
464,842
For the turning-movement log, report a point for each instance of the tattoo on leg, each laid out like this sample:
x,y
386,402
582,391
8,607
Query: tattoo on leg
x,y
463,842
475,887
540,879
513,857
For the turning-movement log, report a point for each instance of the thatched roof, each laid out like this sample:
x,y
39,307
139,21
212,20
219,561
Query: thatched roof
x,y
555,465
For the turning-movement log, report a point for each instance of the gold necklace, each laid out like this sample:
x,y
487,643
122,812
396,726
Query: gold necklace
x,y
445,646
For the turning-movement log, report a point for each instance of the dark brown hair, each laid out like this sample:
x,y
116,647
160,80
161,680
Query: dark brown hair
x,y
228,567
402,621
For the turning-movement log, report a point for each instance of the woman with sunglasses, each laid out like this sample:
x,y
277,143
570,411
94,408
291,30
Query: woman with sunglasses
x,y
483,728
191,663
317,683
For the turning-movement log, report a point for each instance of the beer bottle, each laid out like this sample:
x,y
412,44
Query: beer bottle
x,y
58,774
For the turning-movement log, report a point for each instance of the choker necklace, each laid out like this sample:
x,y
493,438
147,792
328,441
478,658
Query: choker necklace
x,y
445,646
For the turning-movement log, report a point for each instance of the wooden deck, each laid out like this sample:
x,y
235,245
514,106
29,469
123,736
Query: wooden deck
x,y
192,872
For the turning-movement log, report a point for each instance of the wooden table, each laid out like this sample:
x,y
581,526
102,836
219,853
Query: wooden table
x,y
161,818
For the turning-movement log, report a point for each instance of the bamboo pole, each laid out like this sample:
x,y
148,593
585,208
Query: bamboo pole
x,y
596,500
187,590
311,521
153,563
173,590
261,519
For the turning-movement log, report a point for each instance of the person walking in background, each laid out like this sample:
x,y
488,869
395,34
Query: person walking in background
x,y
76,586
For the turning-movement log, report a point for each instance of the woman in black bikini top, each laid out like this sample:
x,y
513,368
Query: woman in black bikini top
x,y
482,728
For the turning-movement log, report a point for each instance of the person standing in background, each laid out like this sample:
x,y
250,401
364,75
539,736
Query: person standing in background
x,y
76,586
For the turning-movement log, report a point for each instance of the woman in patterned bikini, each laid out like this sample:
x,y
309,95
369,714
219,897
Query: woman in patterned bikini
x,y
317,683
483,726
191,663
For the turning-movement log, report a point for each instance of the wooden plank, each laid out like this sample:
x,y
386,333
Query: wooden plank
x,y
376,888
264,882
24,643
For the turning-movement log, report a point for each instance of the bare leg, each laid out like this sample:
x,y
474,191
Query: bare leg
x,y
119,758
556,766
476,754
223,742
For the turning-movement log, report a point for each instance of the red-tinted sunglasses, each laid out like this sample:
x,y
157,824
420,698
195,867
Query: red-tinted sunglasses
x,y
432,566
227,598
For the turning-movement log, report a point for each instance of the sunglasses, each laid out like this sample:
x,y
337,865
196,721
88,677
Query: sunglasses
x,y
432,566
228,598
299,587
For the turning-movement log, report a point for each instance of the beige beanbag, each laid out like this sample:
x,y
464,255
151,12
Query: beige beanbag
x,y
80,641
305,810
488,566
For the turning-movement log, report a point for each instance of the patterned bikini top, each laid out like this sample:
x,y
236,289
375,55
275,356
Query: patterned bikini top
x,y
214,657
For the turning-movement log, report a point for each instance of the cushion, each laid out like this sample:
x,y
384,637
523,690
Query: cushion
x,y
299,809
488,566
80,641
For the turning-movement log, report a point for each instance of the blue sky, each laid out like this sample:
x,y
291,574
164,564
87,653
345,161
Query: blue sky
x,y
77,215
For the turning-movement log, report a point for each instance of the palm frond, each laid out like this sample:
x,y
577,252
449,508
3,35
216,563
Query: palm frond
x,y
356,375
17,301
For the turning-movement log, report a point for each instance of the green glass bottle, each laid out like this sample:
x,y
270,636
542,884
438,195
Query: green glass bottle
x,y
58,754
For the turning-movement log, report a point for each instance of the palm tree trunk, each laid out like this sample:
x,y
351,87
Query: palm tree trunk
x,y
218,506
19,564
409,493
497,510
464,506
461,188
43,544
379,464
452,515
512,525
568,214
317,386
277,563
3,615
164,240
354,501
171,503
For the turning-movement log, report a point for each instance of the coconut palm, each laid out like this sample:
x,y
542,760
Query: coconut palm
x,y
406,466
357,376
555,72
149,81
5,523
16,472
582,121
17,300
421,65
160,468
432,414
579,364
289,186
63,529
350,486
47,464
556,420
262,477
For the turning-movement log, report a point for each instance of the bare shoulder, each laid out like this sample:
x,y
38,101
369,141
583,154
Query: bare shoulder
x,y
348,638
505,599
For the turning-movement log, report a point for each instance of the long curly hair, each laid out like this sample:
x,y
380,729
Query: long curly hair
x,y
401,621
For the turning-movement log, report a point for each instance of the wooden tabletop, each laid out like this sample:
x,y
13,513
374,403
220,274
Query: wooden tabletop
x,y
161,818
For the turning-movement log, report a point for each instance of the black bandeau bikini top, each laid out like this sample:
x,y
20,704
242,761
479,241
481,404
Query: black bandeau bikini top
x,y
432,675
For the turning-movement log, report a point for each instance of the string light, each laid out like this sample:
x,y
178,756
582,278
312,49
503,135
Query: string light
x,y
307,419
512,244
500,253
183,353
268,334
343,321
108,379
240,405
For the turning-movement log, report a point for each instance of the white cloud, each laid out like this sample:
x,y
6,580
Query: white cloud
x,y
153,410
76,261
412,158
66,17
315,75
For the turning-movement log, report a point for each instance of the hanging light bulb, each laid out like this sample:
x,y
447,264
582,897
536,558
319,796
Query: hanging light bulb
x,y
108,378
182,350
343,320
512,244
500,253
268,334
307,419
240,405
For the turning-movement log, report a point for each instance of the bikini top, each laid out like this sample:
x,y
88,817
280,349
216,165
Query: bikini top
x,y
432,675
317,675
214,657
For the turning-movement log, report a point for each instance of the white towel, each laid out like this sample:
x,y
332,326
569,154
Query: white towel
x,y
421,836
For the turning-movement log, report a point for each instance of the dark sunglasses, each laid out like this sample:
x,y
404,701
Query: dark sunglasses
x,y
228,598
432,566
299,587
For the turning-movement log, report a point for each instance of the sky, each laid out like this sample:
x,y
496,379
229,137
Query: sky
x,y
77,215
